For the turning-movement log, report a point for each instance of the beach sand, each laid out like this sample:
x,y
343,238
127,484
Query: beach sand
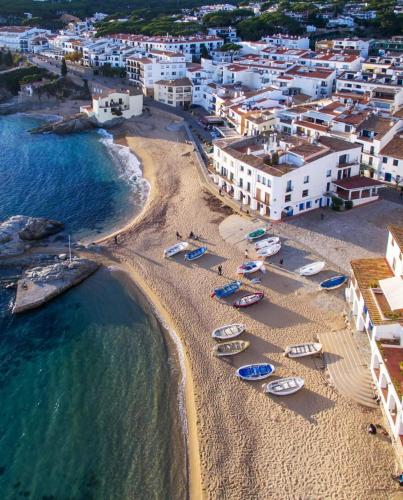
x,y
242,443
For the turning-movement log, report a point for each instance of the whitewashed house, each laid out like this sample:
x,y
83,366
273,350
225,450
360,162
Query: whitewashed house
x,y
108,104
375,296
280,176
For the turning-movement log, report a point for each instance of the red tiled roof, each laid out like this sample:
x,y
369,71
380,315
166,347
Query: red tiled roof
x,y
357,182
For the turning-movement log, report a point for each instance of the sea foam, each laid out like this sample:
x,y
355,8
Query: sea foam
x,y
128,165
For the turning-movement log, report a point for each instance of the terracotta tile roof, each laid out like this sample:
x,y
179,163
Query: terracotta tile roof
x,y
314,126
394,148
377,124
336,144
367,273
175,83
356,182
397,233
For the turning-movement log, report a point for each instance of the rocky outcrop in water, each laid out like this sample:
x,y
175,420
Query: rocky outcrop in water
x,y
41,284
17,232
76,123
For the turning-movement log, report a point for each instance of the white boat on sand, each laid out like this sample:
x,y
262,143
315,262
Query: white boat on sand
x,y
312,268
267,242
230,348
228,331
174,249
270,250
250,267
284,386
302,350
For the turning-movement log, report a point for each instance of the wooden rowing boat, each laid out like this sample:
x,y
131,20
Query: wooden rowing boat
x,y
230,348
284,386
302,350
228,331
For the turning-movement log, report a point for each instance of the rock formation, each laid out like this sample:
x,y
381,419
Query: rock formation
x,y
16,233
41,284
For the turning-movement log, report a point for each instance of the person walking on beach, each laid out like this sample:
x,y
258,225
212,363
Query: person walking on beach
x,y
116,239
178,236
246,253
219,269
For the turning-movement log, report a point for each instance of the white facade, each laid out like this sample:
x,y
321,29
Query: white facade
x,y
19,38
372,312
108,105
287,41
294,183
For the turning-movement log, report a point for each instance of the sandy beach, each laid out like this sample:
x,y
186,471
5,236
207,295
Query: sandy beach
x,y
242,443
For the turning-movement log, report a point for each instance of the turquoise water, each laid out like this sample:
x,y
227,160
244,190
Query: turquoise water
x,y
88,393
75,178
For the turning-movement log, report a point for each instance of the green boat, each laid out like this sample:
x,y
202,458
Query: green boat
x,y
257,233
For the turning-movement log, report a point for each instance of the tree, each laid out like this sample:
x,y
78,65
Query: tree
x,y
63,69
8,59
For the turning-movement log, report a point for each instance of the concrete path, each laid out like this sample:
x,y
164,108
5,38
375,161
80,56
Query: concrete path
x,y
347,369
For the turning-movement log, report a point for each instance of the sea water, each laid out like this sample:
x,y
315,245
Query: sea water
x,y
88,387
82,179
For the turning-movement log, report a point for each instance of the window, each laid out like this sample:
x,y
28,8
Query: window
x,y
384,160
249,172
305,193
259,179
242,168
395,163
289,186
287,198
328,173
306,179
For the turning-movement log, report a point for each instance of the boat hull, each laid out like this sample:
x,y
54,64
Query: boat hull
x,y
284,386
230,348
267,242
195,254
175,249
269,251
248,300
333,283
256,234
303,350
228,331
250,267
257,371
226,290
312,269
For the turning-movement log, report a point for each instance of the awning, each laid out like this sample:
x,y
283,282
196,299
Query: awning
x,y
392,288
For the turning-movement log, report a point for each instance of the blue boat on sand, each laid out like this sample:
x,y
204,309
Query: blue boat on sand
x,y
334,282
257,371
195,254
227,289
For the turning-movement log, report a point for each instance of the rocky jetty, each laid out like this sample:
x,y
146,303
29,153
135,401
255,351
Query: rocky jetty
x,y
17,233
76,123
41,284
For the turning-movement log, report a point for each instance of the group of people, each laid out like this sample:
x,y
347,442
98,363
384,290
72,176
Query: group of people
x,y
192,236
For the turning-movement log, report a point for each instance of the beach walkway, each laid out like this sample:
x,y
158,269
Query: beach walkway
x,y
347,368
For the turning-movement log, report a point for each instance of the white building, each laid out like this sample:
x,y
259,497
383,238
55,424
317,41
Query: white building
x,y
155,66
316,83
19,38
176,93
375,296
108,104
190,46
280,176
287,41
390,169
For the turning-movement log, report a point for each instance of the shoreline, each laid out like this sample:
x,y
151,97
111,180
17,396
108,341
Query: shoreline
x,y
194,486
225,461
